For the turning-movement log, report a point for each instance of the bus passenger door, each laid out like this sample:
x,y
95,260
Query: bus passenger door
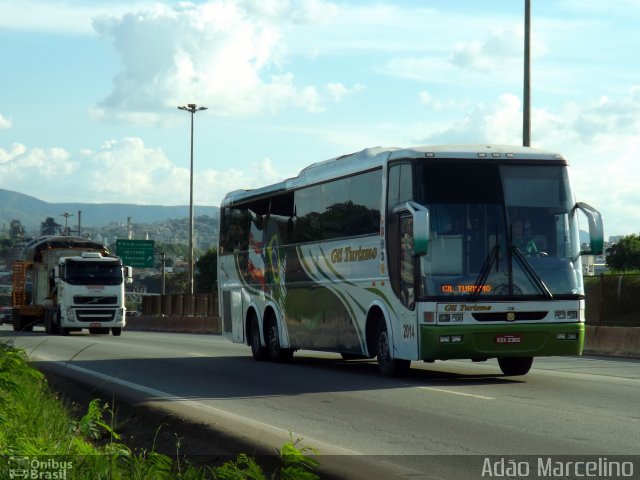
x,y
402,265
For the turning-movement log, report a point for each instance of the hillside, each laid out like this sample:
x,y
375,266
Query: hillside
x,y
32,212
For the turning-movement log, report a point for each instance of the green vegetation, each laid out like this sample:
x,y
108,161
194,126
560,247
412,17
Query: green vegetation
x,y
206,276
624,255
34,425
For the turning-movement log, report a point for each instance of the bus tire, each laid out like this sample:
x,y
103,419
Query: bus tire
x,y
389,367
514,366
276,352
65,331
259,352
115,331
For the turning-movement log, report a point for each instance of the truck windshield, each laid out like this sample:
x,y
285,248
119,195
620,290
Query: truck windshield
x,y
93,273
500,231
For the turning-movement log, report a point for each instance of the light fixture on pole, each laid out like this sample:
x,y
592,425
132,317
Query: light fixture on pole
x,y
192,108
66,216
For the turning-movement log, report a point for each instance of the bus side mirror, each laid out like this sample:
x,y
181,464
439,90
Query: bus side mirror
x,y
420,217
596,229
421,232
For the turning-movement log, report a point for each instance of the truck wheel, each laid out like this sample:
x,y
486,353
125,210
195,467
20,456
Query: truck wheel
x,y
116,331
23,323
16,320
51,323
65,331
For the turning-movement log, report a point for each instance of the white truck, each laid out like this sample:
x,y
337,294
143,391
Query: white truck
x,y
68,284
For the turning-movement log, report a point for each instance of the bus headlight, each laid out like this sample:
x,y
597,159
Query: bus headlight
x,y
70,316
450,338
567,336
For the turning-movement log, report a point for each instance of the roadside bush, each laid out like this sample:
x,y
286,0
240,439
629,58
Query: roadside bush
x,y
34,425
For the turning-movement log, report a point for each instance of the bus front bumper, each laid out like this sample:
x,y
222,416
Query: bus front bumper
x,y
443,342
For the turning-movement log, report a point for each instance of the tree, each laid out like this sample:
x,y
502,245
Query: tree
x,y
625,254
207,272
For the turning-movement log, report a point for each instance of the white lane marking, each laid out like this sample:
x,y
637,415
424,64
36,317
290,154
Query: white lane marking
x,y
198,354
481,397
160,395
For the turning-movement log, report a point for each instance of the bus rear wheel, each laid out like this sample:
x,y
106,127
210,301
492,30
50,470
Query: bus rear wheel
x,y
388,366
259,352
514,366
276,352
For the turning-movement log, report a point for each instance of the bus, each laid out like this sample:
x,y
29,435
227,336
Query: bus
x,y
416,254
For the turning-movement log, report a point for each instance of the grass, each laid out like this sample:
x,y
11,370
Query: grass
x,y
36,428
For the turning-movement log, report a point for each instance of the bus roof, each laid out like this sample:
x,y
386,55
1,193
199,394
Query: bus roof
x,y
375,157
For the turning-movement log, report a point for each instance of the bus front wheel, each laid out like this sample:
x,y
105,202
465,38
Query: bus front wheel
x,y
389,367
514,366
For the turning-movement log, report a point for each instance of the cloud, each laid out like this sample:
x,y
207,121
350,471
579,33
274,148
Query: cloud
x,y
121,171
4,122
55,16
20,165
501,49
227,55
337,91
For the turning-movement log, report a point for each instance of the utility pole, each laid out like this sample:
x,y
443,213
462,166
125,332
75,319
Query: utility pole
x,y
163,257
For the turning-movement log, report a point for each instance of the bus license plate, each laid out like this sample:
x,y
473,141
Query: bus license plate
x,y
95,324
508,338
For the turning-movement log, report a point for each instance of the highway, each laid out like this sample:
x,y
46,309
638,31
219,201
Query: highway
x,y
418,426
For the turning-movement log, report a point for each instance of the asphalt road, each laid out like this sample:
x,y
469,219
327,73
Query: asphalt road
x,y
442,419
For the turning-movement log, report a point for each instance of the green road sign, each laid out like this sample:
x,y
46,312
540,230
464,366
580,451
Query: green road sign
x,y
135,253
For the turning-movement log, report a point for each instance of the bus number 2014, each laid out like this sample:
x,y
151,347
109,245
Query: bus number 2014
x,y
408,331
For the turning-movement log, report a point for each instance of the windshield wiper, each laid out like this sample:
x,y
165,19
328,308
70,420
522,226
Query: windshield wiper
x,y
484,271
534,278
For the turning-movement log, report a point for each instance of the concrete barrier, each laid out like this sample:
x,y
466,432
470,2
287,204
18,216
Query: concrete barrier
x,y
182,324
609,341
612,341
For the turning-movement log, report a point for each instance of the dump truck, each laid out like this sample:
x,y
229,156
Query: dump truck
x,y
69,284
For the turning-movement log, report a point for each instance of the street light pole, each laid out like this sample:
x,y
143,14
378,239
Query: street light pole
x,y
526,101
192,108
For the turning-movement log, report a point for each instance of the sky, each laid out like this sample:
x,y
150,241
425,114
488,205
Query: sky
x,y
89,91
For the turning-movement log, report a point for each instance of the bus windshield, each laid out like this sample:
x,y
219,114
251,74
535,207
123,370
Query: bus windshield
x,y
499,231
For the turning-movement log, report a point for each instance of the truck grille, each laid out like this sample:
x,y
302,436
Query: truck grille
x,y
95,315
95,300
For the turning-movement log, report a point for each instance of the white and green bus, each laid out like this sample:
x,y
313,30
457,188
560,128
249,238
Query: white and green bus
x,y
427,253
